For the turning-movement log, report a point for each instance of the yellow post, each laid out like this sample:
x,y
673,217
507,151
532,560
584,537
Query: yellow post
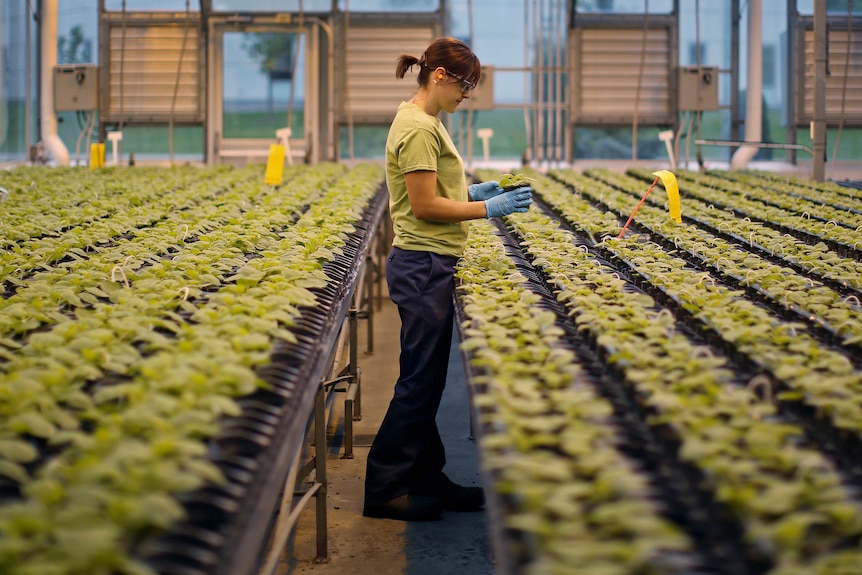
x,y
275,165
97,156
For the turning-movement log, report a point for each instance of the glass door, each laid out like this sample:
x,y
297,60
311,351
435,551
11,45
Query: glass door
x,y
264,77
263,84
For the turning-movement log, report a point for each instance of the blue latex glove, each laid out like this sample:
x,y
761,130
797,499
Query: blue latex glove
x,y
484,191
517,200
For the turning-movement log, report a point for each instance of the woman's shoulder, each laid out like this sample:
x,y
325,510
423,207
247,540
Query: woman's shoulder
x,y
407,122
411,113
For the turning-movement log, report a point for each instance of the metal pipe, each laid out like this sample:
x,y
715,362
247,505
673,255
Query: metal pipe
x,y
53,144
28,96
543,85
320,476
567,131
535,82
327,29
556,19
734,69
527,127
561,76
4,118
754,89
737,143
790,81
819,124
347,80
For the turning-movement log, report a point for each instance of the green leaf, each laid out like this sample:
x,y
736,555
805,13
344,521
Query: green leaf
x,y
17,450
14,471
33,423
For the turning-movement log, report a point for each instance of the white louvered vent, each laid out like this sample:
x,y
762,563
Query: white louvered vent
x,y
834,81
149,57
605,78
374,91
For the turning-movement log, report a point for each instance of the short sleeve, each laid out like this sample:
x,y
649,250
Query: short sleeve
x,y
418,150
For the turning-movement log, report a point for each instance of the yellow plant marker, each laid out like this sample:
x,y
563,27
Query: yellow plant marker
x,y
97,156
275,165
672,189
670,185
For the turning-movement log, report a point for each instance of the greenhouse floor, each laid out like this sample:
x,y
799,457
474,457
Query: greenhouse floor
x,y
458,543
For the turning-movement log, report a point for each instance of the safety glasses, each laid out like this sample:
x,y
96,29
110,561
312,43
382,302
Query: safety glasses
x,y
466,85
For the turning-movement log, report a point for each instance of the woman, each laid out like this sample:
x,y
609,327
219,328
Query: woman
x,y
429,205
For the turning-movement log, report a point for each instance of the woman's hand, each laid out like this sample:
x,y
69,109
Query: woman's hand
x,y
517,200
484,191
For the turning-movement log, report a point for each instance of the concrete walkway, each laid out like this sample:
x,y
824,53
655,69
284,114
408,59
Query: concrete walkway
x,y
458,543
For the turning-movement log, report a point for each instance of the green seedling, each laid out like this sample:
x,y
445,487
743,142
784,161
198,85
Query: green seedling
x,y
512,181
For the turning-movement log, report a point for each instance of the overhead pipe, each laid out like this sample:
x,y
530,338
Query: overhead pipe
x,y
561,63
50,138
818,127
4,122
527,118
754,93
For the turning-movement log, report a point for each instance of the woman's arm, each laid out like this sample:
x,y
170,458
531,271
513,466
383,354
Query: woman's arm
x,y
427,205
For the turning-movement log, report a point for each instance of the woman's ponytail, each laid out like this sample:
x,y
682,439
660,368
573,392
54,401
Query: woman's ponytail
x,y
405,62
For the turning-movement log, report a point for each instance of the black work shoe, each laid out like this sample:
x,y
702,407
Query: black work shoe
x,y
454,497
405,508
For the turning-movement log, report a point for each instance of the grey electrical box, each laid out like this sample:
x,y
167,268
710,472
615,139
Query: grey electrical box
x,y
76,87
697,88
482,98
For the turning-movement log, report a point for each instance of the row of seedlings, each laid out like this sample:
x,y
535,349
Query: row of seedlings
x,y
812,221
66,228
108,413
808,256
569,500
790,183
324,250
797,514
821,371
815,205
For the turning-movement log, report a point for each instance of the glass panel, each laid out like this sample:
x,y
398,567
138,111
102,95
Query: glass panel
x,y
510,134
849,144
616,143
260,69
77,43
623,7
152,5
714,38
369,142
774,77
806,7
151,142
512,87
13,45
713,126
272,5
389,5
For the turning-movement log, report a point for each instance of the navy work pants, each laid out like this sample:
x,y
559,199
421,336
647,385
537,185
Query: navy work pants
x,y
407,454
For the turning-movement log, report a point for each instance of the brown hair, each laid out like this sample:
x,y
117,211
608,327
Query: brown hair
x,y
450,53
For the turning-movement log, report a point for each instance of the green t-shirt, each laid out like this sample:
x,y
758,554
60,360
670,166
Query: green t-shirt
x,y
419,141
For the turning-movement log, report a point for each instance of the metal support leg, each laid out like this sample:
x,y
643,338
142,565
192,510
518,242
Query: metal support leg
x,y
354,361
320,474
369,303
